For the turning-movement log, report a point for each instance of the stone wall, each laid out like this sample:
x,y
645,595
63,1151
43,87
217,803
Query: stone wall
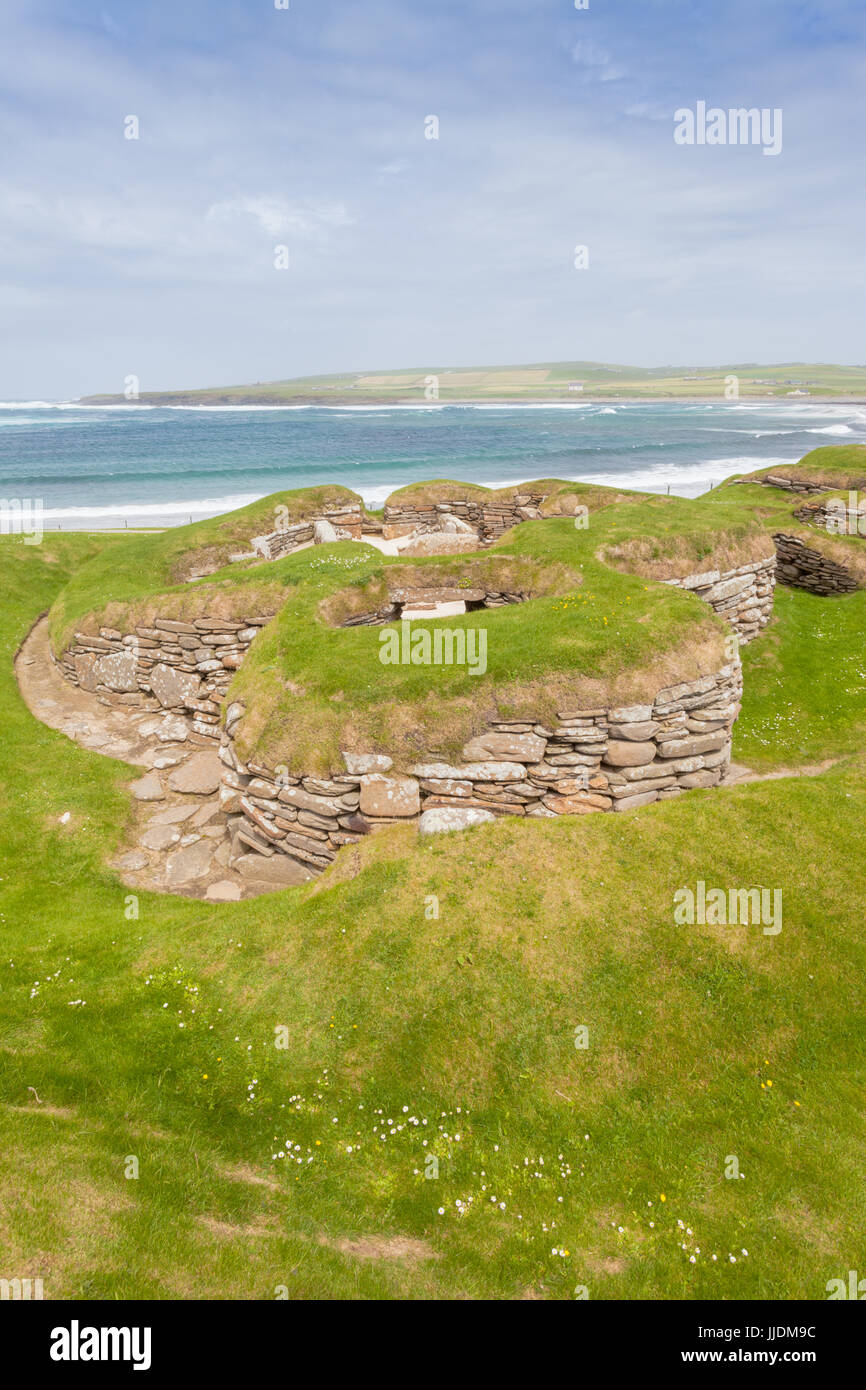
x,y
593,760
404,599
804,568
802,485
743,596
332,523
180,667
836,517
489,520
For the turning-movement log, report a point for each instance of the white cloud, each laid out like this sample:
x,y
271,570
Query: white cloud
x,y
596,61
397,166
278,217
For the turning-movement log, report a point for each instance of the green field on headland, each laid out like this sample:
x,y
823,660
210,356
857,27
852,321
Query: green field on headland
x,y
546,381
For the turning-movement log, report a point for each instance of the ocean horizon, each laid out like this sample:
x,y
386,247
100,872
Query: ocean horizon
x,y
100,467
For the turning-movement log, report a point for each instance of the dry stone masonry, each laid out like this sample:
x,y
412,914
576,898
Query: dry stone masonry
x,y
592,760
835,516
486,520
802,566
743,596
183,668
332,524
403,599
805,568
802,485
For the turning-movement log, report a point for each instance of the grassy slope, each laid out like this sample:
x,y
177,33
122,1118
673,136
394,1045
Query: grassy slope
x,y
135,567
806,682
806,697
560,497
837,465
841,468
386,1010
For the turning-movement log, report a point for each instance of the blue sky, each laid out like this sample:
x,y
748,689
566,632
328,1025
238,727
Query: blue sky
x,y
306,128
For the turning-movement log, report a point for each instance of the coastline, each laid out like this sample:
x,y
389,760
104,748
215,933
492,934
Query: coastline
x,y
108,469
171,401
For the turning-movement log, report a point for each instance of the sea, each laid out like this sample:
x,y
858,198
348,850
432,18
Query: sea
x,y
94,467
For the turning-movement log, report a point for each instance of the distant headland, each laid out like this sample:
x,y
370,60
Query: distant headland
x,y
538,383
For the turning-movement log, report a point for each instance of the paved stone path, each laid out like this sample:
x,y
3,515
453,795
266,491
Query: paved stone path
x,y
179,839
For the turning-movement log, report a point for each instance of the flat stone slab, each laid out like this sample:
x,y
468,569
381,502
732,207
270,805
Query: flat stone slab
x,y
628,803
580,804
199,775
173,731
149,788
523,748
172,815
358,764
173,688
692,747
223,892
622,753
389,796
159,837
452,818
472,772
278,871
630,714
158,758
188,864
635,733
117,671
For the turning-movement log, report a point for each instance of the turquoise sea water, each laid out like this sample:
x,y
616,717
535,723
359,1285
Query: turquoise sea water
x,y
156,466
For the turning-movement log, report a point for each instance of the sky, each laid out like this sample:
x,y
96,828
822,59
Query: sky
x,y
307,129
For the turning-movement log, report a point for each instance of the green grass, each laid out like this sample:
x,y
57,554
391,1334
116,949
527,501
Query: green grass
x,y
836,465
806,682
542,928
840,468
132,569
560,497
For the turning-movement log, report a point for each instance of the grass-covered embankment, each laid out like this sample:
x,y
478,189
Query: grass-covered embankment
x,y
704,1042
123,576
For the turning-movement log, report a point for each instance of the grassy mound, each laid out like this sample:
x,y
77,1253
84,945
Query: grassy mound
x,y
588,635
836,465
560,497
841,467
122,576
